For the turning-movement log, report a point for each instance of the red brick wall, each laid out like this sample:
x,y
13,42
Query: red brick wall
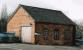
x,y
40,28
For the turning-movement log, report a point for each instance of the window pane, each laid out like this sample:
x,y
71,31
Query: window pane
x,y
46,34
56,35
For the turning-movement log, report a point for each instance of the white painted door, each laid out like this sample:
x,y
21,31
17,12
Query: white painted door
x,y
26,34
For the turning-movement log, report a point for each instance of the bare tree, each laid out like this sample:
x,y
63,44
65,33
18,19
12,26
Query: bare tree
x,y
79,30
4,17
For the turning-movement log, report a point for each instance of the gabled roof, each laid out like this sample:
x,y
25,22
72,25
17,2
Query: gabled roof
x,y
47,15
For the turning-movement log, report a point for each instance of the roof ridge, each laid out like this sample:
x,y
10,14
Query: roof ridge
x,y
40,8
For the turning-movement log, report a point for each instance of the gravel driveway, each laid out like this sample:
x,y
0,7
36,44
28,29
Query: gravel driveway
x,y
17,46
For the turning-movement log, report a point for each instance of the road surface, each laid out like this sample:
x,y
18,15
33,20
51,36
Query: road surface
x,y
18,46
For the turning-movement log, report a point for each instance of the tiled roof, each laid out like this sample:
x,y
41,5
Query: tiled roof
x,y
47,15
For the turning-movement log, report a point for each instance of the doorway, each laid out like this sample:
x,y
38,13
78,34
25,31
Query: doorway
x,y
26,34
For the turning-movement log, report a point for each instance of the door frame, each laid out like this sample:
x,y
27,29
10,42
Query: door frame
x,y
21,32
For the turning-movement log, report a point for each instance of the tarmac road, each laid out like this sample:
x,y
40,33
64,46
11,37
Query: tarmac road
x,y
19,46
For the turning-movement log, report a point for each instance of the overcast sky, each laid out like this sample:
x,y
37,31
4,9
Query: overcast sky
x,y
72,8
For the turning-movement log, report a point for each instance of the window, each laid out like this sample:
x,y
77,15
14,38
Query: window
x,y
46,34
56,34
